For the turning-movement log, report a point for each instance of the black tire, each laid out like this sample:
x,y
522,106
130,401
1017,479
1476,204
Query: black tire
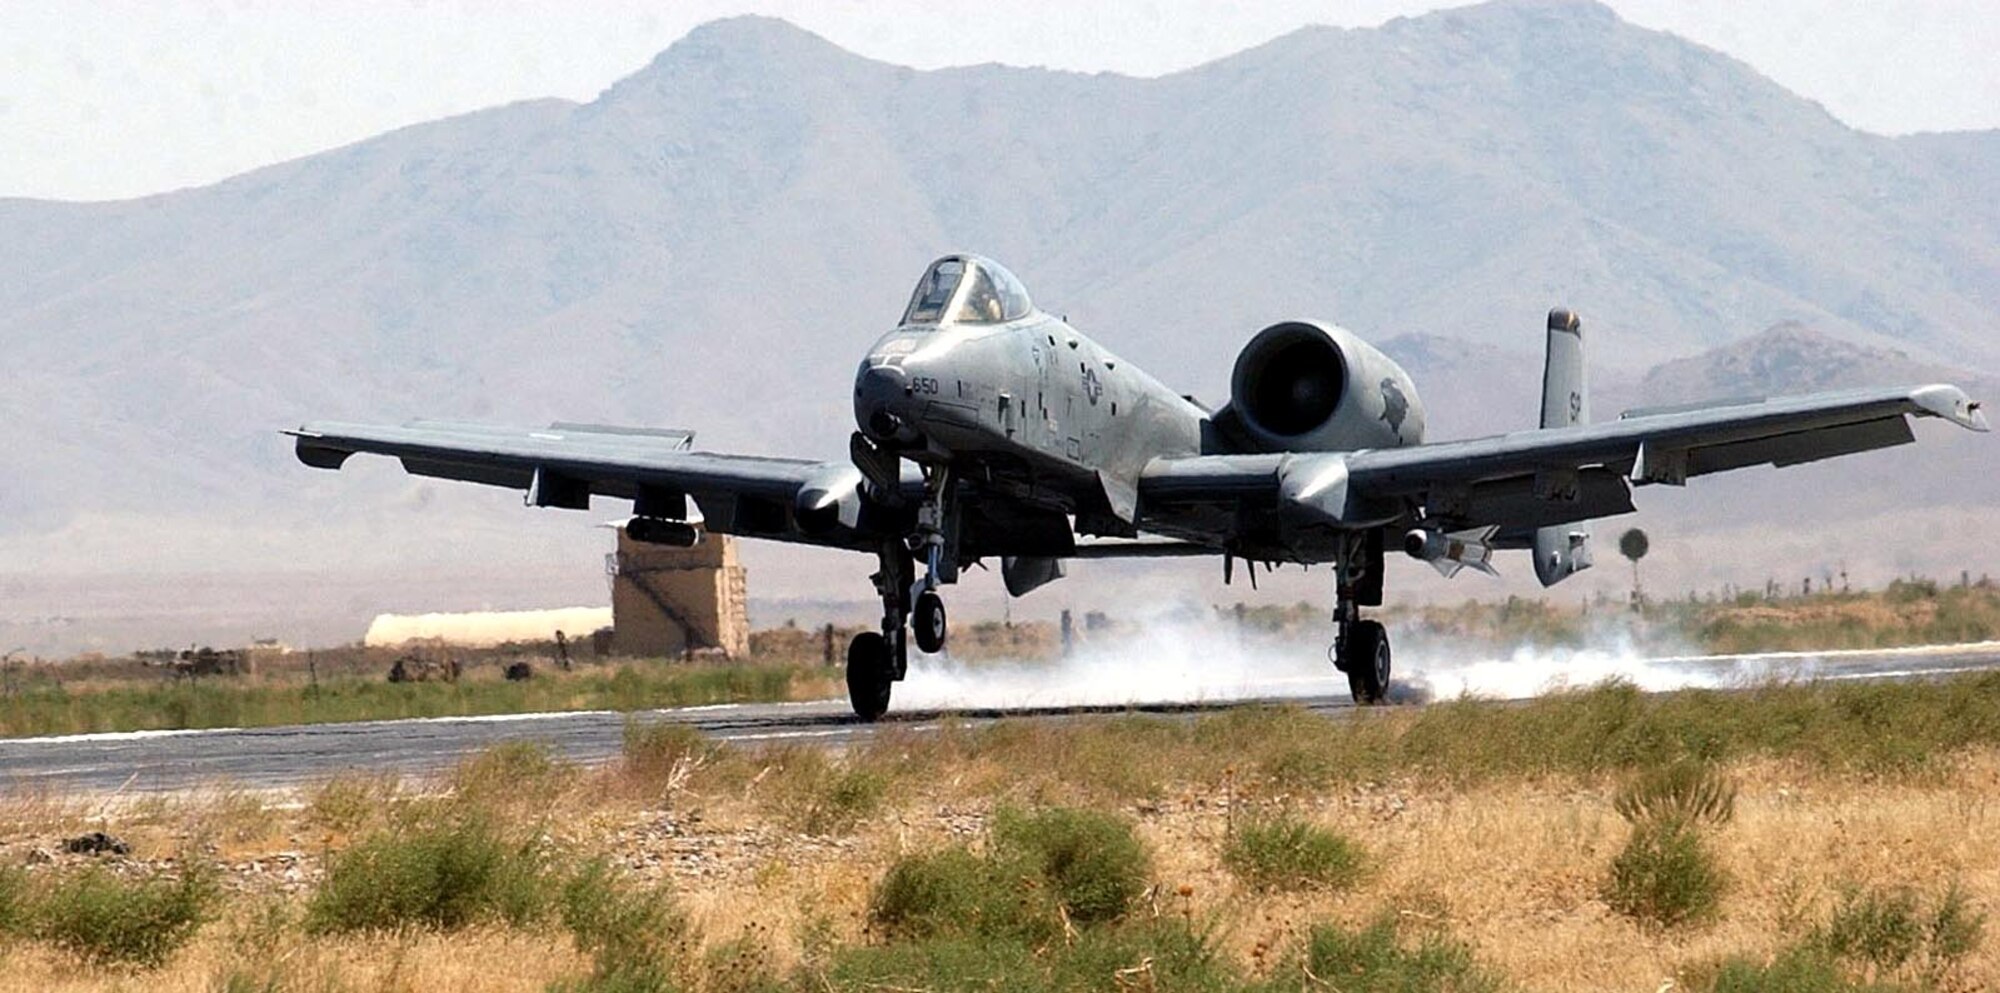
x,y
868,675
1365,658
927,623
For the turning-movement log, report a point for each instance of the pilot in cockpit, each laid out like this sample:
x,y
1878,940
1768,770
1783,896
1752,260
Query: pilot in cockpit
x,y
982,304
966,290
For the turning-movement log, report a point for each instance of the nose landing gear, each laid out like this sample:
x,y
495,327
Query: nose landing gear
x,y
937,539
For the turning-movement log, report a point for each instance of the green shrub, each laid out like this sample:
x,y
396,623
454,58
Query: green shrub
x,y
943,963
442,876
1953,928
815,795
1882,927
513,775
1378,959
843,800
1687,792
952,892
1285,853
1092,861
647,979
1665,876
13,902
106,920
624,928
1795,970
1135,955
1891,928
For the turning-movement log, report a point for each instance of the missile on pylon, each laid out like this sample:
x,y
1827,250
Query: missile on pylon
x,y
1448,553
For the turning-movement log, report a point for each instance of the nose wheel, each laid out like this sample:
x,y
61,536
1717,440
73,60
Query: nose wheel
x,y
927,622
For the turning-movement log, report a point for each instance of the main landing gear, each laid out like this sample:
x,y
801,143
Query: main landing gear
x,y
876,659
1361,647
910,607
1364,655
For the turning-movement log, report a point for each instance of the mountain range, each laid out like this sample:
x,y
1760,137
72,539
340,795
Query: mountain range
x,y
714,240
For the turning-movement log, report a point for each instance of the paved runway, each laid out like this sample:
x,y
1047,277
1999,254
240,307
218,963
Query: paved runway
x,y
289,756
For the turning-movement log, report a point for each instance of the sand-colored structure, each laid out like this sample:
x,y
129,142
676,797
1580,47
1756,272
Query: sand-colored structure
x,y
673,602
485,629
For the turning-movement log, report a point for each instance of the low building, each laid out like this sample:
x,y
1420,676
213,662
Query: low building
x,y
675,602
486,629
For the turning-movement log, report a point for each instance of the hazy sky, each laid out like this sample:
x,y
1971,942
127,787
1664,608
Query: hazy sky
x,y
118,98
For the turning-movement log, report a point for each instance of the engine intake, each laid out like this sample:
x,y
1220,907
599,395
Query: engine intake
x,y
1291,379
1307,386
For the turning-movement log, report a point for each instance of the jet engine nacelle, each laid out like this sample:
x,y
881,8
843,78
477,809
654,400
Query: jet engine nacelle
x,y
1308,386
830,501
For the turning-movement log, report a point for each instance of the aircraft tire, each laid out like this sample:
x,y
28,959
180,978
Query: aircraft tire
x,y
927,622
868,679
1366,661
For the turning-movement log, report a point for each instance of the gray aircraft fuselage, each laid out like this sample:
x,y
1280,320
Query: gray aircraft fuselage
x,y
1032,408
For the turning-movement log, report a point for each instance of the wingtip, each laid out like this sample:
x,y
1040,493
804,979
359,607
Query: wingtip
x,y
1949,402
312,449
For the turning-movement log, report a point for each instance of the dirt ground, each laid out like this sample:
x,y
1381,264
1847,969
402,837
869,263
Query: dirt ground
x,y
1514,869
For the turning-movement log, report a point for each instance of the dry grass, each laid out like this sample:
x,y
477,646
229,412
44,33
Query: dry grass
x,y
1510,861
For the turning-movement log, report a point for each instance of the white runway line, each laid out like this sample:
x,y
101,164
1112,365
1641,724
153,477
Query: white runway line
x,y
1836,654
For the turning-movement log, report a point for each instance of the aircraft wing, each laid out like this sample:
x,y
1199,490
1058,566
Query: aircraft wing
x,y
1523,480
564,465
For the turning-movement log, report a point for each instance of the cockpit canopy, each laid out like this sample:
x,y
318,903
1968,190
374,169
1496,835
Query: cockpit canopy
x,y
967,289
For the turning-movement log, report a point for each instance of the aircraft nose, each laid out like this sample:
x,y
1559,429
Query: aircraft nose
x,y
882,402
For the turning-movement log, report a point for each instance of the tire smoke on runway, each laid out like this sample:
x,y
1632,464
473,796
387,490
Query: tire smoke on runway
x,y
1176,653
1437,671
1182,653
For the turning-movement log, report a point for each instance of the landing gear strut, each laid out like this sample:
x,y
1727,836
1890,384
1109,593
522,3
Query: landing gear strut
x,y
937,541
1361,647
875,660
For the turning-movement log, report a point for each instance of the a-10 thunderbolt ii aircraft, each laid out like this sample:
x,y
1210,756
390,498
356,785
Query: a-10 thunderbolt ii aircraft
x,y
991,430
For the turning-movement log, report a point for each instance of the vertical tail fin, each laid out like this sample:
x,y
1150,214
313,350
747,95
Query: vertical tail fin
x,y
1563,550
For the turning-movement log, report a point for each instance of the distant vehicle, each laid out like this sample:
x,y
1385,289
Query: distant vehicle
x,y
989,429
